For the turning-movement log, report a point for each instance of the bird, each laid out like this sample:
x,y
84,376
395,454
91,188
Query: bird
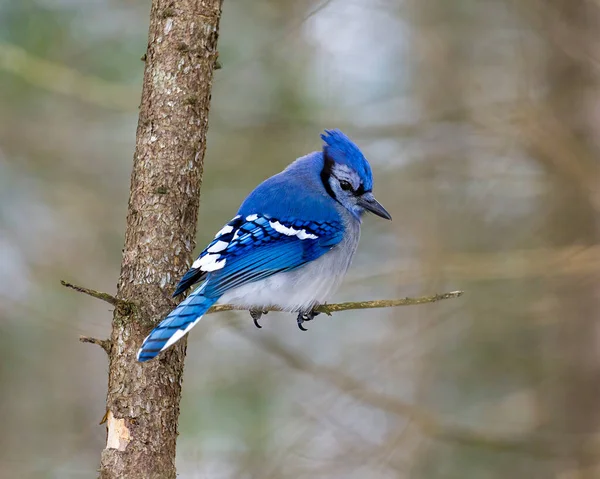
x,y
287,248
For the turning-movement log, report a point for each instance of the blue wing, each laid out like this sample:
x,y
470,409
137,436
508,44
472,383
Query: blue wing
x,y
256,247
222,239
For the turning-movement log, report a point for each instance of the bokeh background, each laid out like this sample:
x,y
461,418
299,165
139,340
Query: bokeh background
x,y
481,119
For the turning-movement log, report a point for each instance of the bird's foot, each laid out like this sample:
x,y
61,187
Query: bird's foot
x,y
306,316
256,315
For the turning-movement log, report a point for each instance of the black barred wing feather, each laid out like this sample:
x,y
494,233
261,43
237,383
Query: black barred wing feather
x,y
197,272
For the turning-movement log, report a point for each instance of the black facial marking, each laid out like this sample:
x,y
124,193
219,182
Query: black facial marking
x,y
326,173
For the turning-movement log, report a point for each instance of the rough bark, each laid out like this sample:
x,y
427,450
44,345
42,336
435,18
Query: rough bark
x,y
143,399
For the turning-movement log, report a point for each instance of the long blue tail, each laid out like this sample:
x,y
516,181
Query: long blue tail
x,y
176,325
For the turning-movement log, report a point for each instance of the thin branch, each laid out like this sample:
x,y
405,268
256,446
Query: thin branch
x,y
91,292
124,307
381,303
103,343
325,308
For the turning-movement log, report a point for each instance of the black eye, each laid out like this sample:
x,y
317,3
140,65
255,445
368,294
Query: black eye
x,y
345,185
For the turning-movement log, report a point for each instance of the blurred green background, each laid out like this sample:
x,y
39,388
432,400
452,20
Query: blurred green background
x,y
481,120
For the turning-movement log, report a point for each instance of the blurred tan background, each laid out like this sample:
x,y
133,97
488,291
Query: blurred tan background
x,y
481,120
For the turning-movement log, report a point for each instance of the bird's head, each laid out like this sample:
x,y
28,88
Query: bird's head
x,y
347,175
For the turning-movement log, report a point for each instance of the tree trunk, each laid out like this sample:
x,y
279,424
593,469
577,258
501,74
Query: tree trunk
x,y
143,399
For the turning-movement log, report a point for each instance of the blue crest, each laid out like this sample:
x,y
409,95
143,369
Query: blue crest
x,y
342,149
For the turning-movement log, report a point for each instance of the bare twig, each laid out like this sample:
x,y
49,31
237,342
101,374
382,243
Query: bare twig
x,y
124,307
381,303
103,343
93,293
326,308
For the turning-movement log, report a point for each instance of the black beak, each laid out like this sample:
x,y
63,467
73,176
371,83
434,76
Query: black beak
x,y
369,203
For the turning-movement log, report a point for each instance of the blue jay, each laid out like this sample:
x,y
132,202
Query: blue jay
x,y
288,247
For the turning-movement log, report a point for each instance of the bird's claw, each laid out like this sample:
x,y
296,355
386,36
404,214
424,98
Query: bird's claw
x,y
304,317
256,315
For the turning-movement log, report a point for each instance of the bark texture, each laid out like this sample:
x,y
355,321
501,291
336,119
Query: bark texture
x,y
143,399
